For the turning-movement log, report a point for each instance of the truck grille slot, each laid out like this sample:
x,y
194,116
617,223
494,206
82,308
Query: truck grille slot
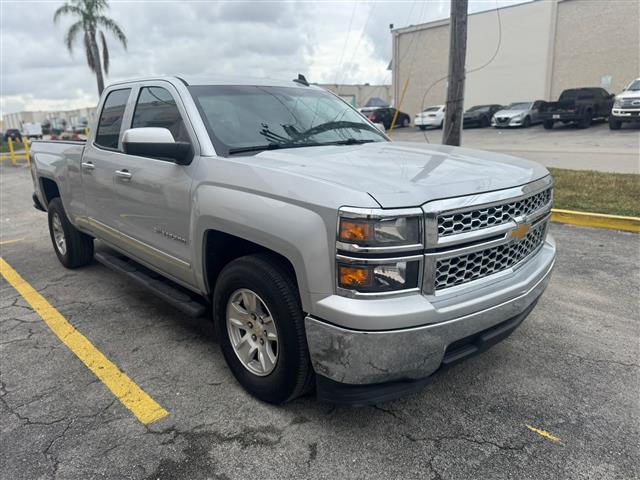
x,y
479,218
465,268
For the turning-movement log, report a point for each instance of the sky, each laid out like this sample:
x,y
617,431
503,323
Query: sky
x,y
328,41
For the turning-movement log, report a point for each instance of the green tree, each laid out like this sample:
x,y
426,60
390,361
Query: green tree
x,y
91,23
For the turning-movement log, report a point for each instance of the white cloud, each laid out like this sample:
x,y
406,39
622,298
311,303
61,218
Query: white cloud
x,y
256,38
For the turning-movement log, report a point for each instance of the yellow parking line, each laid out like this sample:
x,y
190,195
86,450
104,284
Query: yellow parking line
x,y
8,242
545,434
131,395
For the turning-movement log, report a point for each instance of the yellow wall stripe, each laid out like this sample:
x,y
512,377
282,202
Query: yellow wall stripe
x,y
596,220
128,392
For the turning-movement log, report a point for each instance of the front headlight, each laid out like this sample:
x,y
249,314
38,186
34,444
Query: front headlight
x,y
381,232
378,276
378,251
617,103
518,117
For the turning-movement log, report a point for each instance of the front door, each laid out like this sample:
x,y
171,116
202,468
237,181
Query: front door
x,y
146,208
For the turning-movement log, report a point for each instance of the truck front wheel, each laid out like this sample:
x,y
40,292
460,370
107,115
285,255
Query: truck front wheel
x,y
614,124
260,324
73,248
547,124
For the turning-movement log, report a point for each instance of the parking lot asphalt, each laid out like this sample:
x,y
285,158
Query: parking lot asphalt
x,y
566,146
570,371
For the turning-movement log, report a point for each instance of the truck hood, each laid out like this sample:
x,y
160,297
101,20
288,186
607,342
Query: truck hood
x,y
629,94
404,174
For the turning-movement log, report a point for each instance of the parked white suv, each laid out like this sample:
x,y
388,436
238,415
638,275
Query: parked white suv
x,y
626,106
430,117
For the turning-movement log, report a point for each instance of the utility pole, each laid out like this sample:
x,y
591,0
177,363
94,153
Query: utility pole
x,y
452,131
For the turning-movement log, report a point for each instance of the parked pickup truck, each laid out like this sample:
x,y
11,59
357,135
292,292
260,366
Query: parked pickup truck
x,y
579,105
626,106
325,254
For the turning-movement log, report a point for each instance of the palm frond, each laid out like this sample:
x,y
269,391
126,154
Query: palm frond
x,y
71,34
113,27
105,52
67,9
91,61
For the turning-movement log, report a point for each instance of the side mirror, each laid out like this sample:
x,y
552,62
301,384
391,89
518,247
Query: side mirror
x,y
156,143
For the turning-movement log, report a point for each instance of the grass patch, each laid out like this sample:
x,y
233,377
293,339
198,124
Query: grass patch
x,y
596,192
4,148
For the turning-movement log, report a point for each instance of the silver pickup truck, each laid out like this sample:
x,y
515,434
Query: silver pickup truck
x,y
326,255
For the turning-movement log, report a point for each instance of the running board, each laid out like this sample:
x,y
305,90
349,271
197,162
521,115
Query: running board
x,y
179,297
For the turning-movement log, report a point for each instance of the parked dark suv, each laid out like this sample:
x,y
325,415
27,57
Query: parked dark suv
x,y
13,134
578,105
385,115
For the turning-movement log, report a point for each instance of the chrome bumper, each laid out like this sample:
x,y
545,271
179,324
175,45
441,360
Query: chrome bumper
x,y
364,357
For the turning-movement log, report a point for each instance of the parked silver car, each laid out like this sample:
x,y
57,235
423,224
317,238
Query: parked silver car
x,y
518,114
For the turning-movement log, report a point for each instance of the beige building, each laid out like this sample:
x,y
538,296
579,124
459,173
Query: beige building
x,y
359,95
74,117
546,47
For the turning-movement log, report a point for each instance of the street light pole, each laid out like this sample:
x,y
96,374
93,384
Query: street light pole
x,y
452,131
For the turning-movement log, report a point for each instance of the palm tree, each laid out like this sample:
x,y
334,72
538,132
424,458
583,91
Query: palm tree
x,y
92,22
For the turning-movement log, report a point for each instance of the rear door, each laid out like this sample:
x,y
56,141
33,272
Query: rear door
x,y
101,158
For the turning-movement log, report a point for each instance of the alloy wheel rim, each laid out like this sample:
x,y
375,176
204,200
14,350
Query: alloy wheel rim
x,y
58,234
252,332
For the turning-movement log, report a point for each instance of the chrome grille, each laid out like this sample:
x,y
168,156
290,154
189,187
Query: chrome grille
x,y
629,103
479,218
465,268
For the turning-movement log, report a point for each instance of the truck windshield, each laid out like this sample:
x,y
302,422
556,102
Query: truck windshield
x,y
635,86
243,118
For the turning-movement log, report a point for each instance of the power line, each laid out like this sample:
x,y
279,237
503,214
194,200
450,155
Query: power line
x,y
346,42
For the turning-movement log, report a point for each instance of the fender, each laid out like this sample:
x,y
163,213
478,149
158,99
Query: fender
x,y
295,232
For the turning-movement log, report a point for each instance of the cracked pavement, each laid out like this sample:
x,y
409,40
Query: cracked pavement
x,y
571,369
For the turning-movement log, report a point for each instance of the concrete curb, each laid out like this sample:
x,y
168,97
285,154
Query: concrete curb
x,y
596,220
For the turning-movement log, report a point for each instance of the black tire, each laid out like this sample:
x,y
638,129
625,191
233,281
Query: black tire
x,y
614,124
77,245
266,275
422,127
527,122
405,122
586,120
547,124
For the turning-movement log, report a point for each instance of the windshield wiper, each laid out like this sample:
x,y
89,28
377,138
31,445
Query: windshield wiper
x,y
273,146
256,148
336,125
350,141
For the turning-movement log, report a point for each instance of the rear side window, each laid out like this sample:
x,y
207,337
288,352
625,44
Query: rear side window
x,y
111,118
157,108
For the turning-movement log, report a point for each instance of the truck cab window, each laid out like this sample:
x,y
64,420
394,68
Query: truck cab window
x,y
157,108
111,119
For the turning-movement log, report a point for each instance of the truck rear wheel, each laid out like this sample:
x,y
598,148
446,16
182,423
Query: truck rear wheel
x,y
547,124
586,120
614,124
73,248
260,324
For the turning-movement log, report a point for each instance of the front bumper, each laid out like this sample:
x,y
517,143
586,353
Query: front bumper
x,y
358,357
626,115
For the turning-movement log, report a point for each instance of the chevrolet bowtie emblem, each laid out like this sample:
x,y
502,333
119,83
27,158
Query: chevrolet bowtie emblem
x,y
520,231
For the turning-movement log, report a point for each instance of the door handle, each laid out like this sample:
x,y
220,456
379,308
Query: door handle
x,y
123,174
88,166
